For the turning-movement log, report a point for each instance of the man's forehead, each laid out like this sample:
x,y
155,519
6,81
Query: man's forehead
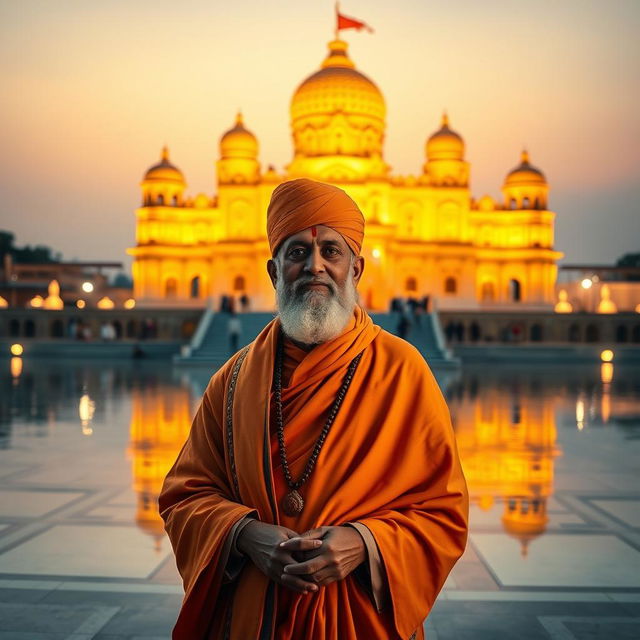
x,y
320,233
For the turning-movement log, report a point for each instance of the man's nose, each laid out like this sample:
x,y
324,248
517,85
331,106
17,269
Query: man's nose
x,y
315,262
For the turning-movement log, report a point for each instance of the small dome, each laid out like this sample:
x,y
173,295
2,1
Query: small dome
x,y
525,174
445,144
164,171
239,142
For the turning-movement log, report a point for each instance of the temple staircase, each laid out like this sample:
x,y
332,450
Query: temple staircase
x,y
210,344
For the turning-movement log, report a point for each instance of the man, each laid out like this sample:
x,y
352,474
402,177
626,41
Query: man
x,y
319,495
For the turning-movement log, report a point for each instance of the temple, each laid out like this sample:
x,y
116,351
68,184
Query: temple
x,y
426,235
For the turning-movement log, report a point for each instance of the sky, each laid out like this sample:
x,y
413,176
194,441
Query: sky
x,y
91,91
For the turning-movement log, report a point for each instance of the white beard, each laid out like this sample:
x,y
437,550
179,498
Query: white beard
x,y
312,317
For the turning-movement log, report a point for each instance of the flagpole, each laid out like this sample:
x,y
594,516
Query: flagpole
x,y
337,32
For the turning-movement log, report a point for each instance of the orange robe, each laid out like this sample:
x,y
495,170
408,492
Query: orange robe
x,y
389,462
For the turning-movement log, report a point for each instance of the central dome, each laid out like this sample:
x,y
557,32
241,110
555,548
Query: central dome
x,y
338,122
338,88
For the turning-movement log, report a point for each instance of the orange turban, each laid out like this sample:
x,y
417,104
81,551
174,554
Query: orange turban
x,y
300,204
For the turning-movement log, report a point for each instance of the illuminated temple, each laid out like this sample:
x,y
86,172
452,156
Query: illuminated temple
x,y
425,235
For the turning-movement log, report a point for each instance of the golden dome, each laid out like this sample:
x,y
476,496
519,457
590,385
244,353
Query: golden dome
x,y
338,88
164,171
525,174
445,144
239,142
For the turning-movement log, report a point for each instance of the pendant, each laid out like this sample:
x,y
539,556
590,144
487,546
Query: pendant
x,y
292,504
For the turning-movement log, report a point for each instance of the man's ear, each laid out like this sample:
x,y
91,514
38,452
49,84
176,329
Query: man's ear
x,y
358,268
272,270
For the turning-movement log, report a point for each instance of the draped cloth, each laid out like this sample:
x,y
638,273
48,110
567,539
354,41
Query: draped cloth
x,y
389,462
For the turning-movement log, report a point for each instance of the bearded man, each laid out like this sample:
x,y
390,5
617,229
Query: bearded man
x,y
319,495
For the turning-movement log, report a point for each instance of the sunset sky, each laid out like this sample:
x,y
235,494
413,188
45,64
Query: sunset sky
x,y
91,90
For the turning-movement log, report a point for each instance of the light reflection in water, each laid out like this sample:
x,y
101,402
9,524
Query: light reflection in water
x,y
507,441
160,422
86,409
16,366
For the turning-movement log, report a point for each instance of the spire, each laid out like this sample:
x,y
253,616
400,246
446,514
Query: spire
x,y
239,119
525,156
164,157
445,119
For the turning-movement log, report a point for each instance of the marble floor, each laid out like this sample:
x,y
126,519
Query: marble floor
x,y
551,457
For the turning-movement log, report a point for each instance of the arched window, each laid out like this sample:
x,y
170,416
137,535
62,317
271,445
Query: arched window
x,y
515,293
450,285
475,332
57,329
488,292
117,325
574,333
171,288
29,329
622,334
239,283
536,333
635,334
525,203
161,199
174,201
536,203
513,204
14,328
132,329
592,334
411,284
195,287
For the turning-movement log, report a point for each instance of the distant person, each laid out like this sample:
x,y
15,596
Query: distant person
x,y
234,329
404,326
87,334
244,302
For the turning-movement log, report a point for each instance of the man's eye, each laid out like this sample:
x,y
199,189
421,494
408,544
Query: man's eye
x,y
297,253
331,251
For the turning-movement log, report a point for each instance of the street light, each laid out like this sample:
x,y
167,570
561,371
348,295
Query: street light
x,y
87,287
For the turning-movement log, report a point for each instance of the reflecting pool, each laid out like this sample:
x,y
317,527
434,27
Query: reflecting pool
x,y
550,455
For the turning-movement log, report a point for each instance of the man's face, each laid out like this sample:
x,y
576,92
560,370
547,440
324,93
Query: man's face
x,y
315,275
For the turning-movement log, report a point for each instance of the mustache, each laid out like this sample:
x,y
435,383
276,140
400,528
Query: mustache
x,y
300,285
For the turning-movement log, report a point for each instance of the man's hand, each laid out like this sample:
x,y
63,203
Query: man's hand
x,y
261,542
342,550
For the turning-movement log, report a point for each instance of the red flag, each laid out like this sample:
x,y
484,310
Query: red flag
x,y
343,22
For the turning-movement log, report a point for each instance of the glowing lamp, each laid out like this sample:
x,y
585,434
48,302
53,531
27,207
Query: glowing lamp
x,y
105,303
586,283
36,301
130,303
81,304
638,308
606,355
17,349
87,287
3,303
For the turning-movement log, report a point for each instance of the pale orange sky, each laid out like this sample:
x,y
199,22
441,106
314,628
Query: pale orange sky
x,y
92,90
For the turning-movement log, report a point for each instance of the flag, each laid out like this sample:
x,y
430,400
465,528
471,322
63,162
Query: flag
x,y
344,22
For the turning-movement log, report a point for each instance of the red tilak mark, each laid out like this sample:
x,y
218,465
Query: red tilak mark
x,y
314,232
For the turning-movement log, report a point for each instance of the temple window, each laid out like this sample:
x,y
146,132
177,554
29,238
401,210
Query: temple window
x,y
515,292
239,283
450,285
488,292
171,288
411,285
195,287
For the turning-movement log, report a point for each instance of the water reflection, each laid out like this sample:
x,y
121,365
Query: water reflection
x,y
160,421
512,425
507,438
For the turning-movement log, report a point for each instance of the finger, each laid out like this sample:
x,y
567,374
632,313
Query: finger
x,y
309,567
298,584
325,576
314,533
301,544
